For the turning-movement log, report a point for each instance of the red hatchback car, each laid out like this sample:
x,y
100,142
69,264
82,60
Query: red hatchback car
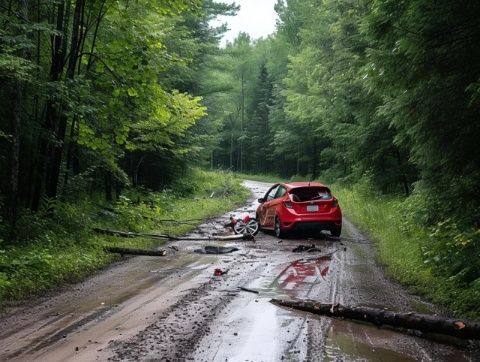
x,y
299,206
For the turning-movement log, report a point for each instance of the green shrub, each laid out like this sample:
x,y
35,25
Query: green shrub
x,y
440,261
57,244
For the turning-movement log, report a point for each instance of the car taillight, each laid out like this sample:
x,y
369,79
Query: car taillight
x,y
288,204
334,203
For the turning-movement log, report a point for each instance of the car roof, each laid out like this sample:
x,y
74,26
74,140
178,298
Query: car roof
x,y
294,185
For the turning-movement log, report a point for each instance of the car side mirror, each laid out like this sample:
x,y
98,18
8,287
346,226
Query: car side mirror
x,y
261,200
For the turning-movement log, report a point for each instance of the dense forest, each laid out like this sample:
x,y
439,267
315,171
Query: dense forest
x,y
100,96
382,93
95,92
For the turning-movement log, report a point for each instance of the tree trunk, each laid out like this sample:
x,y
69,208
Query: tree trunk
x,y
422,322
314,159
70,149
44,168
15,160
16,123
101,14
57,149
403,175
136,169
242,123
231,142
108,186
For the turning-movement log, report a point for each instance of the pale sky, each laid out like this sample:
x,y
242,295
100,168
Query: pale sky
x,y
256,17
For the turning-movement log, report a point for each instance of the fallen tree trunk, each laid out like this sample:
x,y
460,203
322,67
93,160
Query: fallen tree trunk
x,y
123,251
249,290
129,234
422,322
218,238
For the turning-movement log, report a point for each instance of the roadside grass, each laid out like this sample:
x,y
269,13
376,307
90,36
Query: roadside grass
x,y
401,244
380,218
60,249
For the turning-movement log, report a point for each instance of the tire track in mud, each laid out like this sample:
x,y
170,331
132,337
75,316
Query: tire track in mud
x,y
41,342
178,329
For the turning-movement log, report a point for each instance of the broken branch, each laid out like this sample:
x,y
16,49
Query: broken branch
x,y
129,234
249,290
123,251
422,322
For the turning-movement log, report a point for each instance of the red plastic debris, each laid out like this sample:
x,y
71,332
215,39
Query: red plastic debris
x,y
232,222
218,272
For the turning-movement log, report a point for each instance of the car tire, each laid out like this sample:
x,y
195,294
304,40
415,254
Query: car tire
x,y
279,233
258,220
336,232
252,227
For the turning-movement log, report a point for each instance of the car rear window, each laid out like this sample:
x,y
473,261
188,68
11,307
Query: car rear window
x,y
310,193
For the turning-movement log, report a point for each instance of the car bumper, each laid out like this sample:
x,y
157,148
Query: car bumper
x,y
328,221
314,225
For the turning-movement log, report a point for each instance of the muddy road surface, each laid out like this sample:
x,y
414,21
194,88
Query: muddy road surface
x,y
173,308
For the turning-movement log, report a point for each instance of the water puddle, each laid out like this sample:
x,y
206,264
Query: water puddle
x,y
354,342
302,274
351,341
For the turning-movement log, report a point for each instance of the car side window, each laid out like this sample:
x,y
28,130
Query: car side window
x,y
270,195
280,192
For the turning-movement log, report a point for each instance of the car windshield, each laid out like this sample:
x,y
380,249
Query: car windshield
x,y
310,193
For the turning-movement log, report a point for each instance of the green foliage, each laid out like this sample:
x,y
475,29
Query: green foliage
x,y
418,64
62,247
454,251
440,263
101,95
380,95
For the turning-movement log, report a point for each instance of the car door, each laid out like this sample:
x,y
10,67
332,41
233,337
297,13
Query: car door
x,y
265,219
275,203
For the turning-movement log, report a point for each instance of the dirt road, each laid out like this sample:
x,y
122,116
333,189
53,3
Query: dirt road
x,y
173,308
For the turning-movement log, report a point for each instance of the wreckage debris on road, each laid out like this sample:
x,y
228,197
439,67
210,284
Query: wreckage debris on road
x,y
209,249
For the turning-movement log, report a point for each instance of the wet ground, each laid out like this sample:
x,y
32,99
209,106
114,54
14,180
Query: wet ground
x,y
173,308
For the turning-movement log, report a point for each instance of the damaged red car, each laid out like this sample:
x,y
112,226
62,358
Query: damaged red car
x,y
297,206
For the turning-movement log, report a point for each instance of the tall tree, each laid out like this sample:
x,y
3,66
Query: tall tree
x,y
258,135
424,63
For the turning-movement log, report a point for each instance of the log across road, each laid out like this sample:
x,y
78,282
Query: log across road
x,y
187,306
421,322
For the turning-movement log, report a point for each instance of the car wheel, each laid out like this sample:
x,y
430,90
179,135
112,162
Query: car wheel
x,y
336,232
252,227
258,221
239,227
279,233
